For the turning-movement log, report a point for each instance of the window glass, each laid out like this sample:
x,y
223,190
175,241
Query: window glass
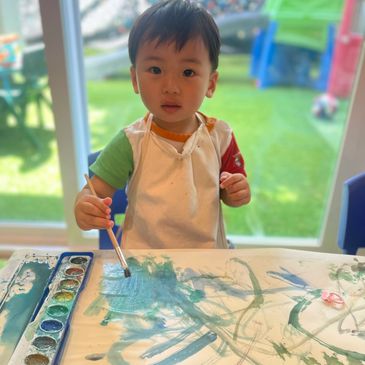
x,y
30,184
286,75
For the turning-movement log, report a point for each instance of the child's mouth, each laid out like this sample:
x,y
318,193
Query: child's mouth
x,y
170,108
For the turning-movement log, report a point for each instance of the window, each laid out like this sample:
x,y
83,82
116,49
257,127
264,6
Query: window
x,y
286,104
31,194
293,156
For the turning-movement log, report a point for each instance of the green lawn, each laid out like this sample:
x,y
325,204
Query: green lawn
x,y
290,155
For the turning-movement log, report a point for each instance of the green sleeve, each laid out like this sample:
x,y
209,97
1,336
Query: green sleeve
x,y
115,162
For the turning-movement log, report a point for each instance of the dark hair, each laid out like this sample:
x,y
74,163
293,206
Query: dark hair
x,y
175,21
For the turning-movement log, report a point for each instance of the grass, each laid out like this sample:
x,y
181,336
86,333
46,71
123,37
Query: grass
x,y
290,156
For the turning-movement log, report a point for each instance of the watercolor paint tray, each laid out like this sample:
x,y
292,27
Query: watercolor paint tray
x,y
44,338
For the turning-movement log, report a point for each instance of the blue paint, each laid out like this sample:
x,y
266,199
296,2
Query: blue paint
x,y
51,325
158,349
191,349
176,306
289,277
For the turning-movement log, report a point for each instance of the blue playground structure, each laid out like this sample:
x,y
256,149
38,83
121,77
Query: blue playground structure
x,y
297,46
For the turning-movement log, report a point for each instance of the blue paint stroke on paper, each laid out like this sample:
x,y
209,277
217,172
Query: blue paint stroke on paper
x,y
183,312
189,350
289,277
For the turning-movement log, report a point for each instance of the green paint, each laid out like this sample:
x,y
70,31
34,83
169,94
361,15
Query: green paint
x,y
350,273
354,361
294,321
341,275
309,360
94,357
281,350
331,360
57,310
196,296
256,302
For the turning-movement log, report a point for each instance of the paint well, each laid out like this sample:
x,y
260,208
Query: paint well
x,y
78,260
57,310
36,359
44,343
69,284
51,325
74,271
64,296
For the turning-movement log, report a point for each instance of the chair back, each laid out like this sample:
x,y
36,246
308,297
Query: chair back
x,y
34,65
118,206
351,234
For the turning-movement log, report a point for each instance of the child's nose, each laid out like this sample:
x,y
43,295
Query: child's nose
x,y
170,85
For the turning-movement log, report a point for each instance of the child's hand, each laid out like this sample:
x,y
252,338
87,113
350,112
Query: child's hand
x,y
235,189
92,212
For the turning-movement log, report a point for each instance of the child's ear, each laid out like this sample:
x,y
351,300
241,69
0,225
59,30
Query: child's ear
x,y
213,79
133,74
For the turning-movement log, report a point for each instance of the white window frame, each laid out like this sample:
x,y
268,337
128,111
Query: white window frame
x,y
65,62
63,41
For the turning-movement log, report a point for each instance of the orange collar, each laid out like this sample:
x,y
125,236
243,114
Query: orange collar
x,y
179,137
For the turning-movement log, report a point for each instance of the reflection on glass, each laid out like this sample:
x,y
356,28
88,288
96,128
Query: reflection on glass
x,y
282,70
30,186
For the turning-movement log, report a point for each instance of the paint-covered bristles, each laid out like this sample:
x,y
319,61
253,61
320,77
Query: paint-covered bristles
x,y
127,273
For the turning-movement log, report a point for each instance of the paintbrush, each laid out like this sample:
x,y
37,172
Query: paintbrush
x,y
114,241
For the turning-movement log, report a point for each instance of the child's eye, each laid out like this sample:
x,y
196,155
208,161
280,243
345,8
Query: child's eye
x,y
155,70
188,73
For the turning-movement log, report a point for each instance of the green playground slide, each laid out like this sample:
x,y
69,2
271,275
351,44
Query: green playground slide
x,y
304,23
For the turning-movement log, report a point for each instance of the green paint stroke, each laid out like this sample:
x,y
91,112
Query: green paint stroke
x,y
281,350
350,273
331,360
294,321
354,361
258,299
309,360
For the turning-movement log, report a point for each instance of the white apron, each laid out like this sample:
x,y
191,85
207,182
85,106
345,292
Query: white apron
x,y
173,197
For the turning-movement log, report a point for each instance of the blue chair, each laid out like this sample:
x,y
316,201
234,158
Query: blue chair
x,y
351,235
118,206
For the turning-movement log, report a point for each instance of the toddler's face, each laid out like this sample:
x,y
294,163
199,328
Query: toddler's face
x,y
173,83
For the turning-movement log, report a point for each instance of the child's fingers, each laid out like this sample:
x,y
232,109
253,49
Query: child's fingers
x,y
100,223
101,206
224,175
238,186
231,180
96,215
224,179
93,210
